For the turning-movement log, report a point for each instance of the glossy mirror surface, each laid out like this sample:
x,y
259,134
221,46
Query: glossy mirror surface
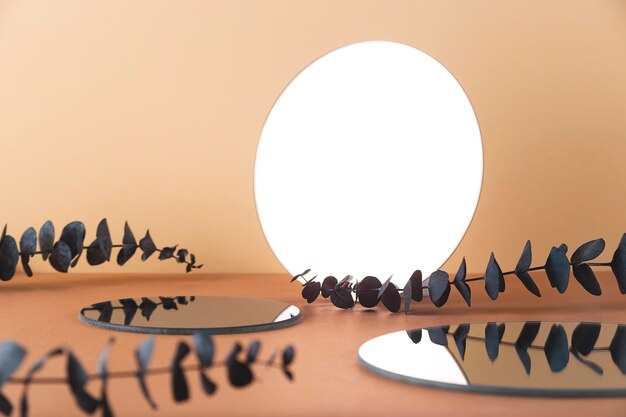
x,y
369,163
186,314
519,358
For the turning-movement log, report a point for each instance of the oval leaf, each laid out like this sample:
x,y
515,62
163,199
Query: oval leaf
x,y
439,288
584,337
438,334
556,348
588,251
367,291
391,298
493,276
28,247
46,239
143,355
311,291
9,257
73,235
528,282
460,338
61,256
417,293
342,297
585,276
557,269
328,285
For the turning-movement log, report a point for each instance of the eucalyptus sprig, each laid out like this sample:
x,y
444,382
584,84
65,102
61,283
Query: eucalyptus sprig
x,y
557,348
66,252
369,291
239,366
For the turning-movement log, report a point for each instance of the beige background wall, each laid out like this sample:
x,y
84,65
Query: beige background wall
x,y
151,110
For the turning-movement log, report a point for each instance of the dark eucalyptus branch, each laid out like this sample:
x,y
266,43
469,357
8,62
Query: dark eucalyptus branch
x,y
66,252
370,291
239,366
557,348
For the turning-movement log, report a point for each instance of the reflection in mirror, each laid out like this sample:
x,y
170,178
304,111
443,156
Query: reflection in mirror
x,y
527,358
187,314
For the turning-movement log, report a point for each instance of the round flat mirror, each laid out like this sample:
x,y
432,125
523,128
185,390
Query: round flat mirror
x,y
514,358
189,314
369,163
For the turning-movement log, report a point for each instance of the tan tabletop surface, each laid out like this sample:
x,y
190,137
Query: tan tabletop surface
x,y
41,312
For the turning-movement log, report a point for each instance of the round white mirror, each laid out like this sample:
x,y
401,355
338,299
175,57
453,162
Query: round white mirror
x,y
369,163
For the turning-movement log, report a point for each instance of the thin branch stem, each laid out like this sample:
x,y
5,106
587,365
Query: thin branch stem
x,y
129,374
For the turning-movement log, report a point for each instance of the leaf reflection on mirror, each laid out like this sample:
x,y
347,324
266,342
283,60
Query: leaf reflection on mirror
x,y
129,306
66,252
556,348
77,378
369,291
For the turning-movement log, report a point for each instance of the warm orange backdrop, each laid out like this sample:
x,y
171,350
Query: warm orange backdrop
x,y
151,110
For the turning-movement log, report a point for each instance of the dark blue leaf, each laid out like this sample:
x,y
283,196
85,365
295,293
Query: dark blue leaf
x,y
180,388
104,376
147,246
77,380
493,278
521,270
28,247
618,348
618,264
167,252
253,351
415,335
208,386
129,246
585,276
9,257
203,343
289,354
460,336
556,348
11,357
130,307
588,251
439,288
143,355
461,285
106,311
36,367
493,337
73,235
558,269
528,282
46,239
524,341
438,334
417,293
525,259
147,307
168,303
61,256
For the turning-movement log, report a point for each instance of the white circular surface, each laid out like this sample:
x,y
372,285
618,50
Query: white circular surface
x,y
369,163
